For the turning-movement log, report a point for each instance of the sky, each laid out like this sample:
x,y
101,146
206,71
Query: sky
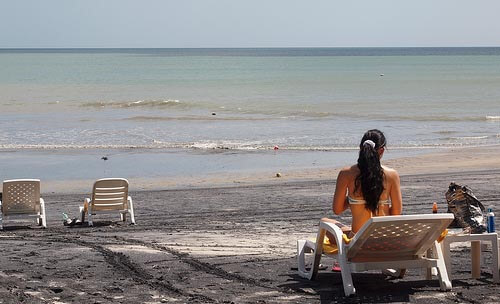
x,y
248,23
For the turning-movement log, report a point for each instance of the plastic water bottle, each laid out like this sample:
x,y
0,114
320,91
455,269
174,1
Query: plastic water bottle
x,y
491,221
435,207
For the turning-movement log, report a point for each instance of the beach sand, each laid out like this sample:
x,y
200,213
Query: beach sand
x,y
231,239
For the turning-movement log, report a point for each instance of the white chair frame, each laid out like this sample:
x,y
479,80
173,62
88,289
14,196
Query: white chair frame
x,y
409,258
109,195
34,209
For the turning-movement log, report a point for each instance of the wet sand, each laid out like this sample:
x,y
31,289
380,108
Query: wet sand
x,y
214,243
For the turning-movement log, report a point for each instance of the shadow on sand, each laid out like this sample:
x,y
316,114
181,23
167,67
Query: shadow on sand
x,y
21,227
370,288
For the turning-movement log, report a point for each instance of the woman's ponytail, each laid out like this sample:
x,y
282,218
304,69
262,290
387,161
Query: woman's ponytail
x,y
371,175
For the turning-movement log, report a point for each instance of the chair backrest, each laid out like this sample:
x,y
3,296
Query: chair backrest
x,y
110,194
397,237
21,196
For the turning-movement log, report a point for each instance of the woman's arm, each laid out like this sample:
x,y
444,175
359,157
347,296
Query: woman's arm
x,y
395,194
340,202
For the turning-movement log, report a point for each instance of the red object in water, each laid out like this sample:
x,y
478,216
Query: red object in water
x,y
276,147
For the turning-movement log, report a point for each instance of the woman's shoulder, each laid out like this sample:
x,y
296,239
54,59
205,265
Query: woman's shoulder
x,y
349,172
390,172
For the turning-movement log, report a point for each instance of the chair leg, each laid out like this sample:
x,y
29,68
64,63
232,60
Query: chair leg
x,y
84,209
89,215
131,210
432,271
345,272
1,216
445,247
495,258
301,257
475,250
82,214
303,247
43,214
444,281
318,252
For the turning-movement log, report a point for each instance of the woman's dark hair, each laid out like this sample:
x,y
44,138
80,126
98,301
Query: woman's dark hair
x,y
371,174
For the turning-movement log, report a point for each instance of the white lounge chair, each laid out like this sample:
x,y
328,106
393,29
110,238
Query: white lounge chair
x,y
385,242
21,199
109,195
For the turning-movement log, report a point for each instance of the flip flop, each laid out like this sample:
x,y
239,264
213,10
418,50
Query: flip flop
x,y
394,273
74,222
320,267
336,268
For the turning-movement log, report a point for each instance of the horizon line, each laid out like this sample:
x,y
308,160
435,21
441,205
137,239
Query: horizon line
x,y
248,47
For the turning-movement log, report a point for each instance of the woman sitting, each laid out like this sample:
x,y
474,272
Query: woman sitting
x,y
367,188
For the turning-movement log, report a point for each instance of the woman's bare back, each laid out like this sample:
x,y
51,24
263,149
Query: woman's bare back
x,y
360,214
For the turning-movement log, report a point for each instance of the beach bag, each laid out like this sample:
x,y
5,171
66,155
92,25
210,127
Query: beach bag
x,y
466,208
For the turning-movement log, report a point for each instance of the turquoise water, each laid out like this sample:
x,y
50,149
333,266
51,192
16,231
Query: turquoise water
x,y
185,101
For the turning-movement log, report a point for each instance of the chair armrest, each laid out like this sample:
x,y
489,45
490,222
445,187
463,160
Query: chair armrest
x,y
333,229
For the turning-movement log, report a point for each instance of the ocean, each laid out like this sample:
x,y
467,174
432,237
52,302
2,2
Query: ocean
x,y
189,112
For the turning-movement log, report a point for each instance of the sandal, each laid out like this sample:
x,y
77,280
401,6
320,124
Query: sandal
x,y
336,267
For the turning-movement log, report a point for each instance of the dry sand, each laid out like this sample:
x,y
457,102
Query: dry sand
x,y
232,244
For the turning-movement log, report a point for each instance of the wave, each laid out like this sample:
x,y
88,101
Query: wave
x,y
194,118
231,146
154,145
137,103
469,137
257,111
392,117
432,118
246,114
469,140
293,113
71,146
445,132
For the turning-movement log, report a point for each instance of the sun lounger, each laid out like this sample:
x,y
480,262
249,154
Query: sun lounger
x,y
109,195
385,242
21,200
